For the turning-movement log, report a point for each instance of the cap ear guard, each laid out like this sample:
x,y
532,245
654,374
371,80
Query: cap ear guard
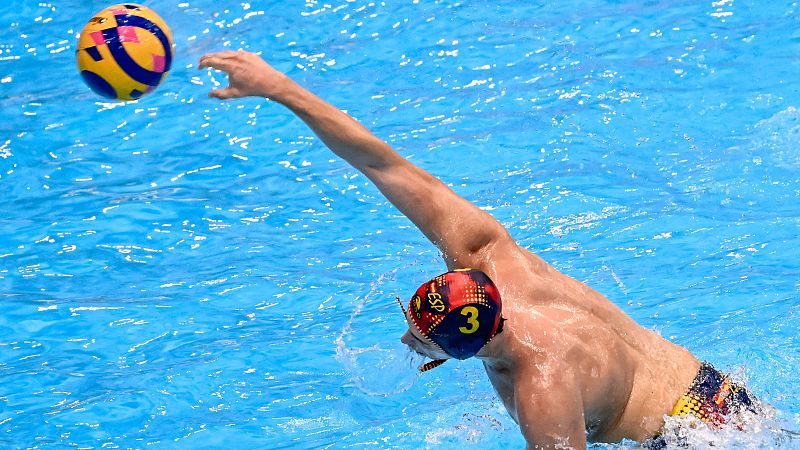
x,y
430,364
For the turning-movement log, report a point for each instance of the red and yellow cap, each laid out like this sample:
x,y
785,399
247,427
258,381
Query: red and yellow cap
x,y
459,311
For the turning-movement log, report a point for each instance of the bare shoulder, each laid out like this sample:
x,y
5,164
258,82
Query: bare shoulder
x,y
505,259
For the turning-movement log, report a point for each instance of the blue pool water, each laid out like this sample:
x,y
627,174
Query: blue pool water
x,y
180,272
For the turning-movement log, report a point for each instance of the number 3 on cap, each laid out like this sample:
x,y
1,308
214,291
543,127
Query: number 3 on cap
x,y
472,320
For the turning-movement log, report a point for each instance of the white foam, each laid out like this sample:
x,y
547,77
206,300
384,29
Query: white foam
x,y
779,136
746,430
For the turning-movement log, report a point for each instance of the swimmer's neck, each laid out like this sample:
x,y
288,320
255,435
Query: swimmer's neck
x,y
493,355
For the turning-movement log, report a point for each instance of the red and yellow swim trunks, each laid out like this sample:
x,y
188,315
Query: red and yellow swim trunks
x,y
712,397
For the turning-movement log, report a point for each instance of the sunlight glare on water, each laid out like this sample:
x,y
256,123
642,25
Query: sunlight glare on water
x,y
181,272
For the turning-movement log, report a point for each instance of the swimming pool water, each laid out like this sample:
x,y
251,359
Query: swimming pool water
x,y
180,272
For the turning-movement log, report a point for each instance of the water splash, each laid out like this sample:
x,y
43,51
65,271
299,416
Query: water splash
x,y
778,136
470,428
749,431
377,370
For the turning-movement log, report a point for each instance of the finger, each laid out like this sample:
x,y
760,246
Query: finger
x,y
203,63
208,61
214,60
218,64
223,54
223,94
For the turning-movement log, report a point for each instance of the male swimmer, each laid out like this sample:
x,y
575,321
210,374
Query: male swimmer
x,y
568,364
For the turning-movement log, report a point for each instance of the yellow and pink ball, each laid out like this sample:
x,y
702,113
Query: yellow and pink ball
x,y
125,52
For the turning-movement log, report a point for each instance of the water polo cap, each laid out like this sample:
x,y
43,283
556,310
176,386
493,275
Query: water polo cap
x,y
459,311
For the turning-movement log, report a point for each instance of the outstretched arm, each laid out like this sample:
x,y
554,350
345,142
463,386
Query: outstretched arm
x,y
463,232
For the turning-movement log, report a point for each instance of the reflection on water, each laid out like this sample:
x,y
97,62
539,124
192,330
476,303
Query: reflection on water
x,y
180,270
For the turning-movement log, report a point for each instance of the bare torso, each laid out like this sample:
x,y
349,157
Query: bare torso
x,y
629,378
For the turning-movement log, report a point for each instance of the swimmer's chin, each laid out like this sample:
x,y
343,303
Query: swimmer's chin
x,y
430,355
416,357
416,354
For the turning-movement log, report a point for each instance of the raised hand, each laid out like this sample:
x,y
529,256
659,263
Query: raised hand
x,y
248,75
